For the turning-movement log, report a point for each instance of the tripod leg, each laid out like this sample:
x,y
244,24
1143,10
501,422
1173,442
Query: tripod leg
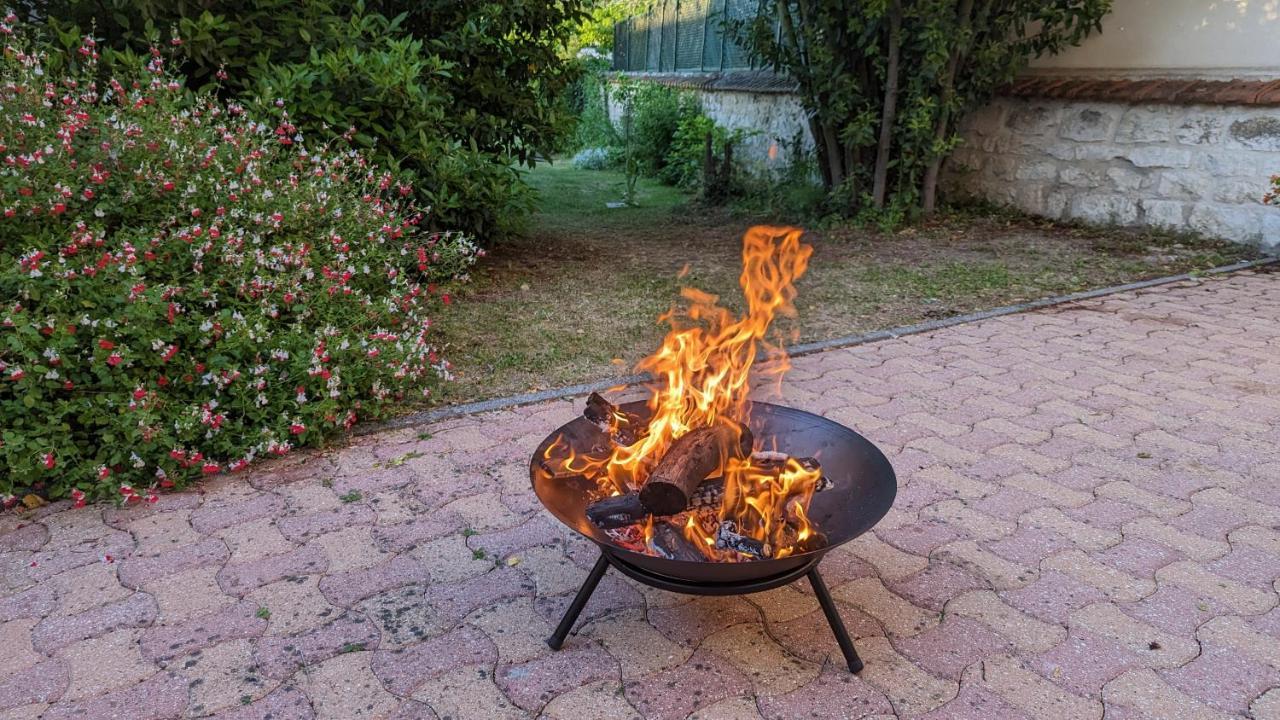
x,y
579,601
837,625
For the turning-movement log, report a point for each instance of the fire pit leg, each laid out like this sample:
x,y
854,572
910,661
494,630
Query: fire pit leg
x,y
833,617
579,601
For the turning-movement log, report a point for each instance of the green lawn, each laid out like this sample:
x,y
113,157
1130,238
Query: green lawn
x,y
577,297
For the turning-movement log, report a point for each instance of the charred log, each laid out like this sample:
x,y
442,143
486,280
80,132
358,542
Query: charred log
x,y
728,538
622,428
617,511
688,462
670,543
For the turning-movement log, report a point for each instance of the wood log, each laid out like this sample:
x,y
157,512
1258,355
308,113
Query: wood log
x,y
669,542
621,427
728,538
689,460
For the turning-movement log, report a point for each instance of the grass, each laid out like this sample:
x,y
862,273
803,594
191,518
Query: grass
x,y
577,298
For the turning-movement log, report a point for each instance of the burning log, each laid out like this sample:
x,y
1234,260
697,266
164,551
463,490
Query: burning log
x,y
622,510
669,542
621,427
728,538
688,462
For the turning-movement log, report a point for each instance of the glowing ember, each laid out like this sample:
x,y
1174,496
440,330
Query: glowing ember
x,y
703,369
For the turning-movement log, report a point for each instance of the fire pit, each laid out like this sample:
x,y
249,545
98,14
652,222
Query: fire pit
x,y
700,490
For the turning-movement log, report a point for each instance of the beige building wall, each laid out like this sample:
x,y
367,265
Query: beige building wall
x,y
1179,38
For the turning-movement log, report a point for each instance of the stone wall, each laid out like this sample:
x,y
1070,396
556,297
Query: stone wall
x,y
1202,168
759,103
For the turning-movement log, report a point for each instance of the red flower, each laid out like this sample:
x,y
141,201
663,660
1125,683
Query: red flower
x,y
297,428
78,496
114,359
210,468
106,345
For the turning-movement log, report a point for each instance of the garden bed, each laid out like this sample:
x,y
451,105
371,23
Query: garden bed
x,y
575,299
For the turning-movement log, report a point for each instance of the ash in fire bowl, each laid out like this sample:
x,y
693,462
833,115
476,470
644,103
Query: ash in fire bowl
x,y
700,474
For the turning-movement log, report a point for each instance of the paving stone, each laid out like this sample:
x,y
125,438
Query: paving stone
x,y
1156,648
973,702
897,615
771,670
286,702
534,683
672,694
1033,694
836,693
691,623
347,588
234,509
303,527
950,647
294,604
1083,535
890,563
1266,706
243,578
734,708
468,693
1085,661
1118,586
142,568
221,677
160,697
515,627
1243,599
1138,557
1236,633
1028,634
995,570
87,587
345,687
101,664
34,602
255,540
404,669
349,549
604,698
1144,691
910,690
1223,679
163,644
138,610
1176,610
809,636
27,536
187,595
933,587
613,594
278,656
43,682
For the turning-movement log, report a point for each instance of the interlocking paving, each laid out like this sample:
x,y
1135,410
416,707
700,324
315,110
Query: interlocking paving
x,y
1087,524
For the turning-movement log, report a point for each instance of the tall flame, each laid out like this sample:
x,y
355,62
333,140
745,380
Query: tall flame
x,y
705,360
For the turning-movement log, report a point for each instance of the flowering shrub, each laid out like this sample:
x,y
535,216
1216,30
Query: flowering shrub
x,y
184,289
1273,195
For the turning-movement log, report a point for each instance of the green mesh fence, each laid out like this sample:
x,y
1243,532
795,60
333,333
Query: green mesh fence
x,y
682,36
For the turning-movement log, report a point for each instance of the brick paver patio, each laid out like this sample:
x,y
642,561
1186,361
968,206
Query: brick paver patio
x,y
1088,523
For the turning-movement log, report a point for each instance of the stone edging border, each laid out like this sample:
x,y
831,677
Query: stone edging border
x,y
1265,93
510,401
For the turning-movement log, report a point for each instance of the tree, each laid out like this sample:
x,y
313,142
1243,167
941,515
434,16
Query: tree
x,y
882,81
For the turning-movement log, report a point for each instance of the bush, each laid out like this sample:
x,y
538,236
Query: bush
x,y
186,289
1273,195
659,111
593,159
454,93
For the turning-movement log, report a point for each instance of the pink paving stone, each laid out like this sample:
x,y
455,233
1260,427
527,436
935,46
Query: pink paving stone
x,y
533,684
214,516
279,656
413,710
51,561
1138,557
975,703
835,693
1175,609
611,595
33,602
1028,545
1107,513
690,623
28,536
348,588
301,466
160,697
1210,521
1084,662
377,479
138,570
41,683
301,528
1175,482
1223,678
1268,623
934,586
409,613
809,636
167,642
535,532
137,610
923,537
1248,565
286,702
245,577
1052,597
403,670
406,536
673,694
948,648
1008,503
120,516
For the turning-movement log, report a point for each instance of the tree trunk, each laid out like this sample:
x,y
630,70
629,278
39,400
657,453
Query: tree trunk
x,y
929,192
890,111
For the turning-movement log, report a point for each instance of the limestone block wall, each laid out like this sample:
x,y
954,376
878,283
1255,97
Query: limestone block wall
x,y
1200,168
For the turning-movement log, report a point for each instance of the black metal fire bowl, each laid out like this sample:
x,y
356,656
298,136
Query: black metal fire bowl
x,y
863,490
